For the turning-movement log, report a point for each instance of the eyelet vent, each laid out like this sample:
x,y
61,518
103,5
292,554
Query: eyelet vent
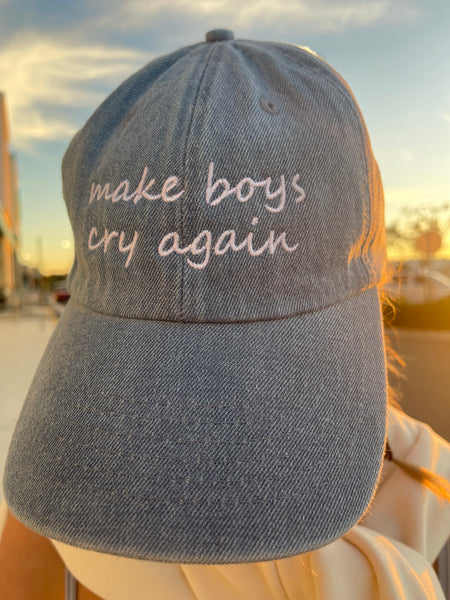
x,y
268,106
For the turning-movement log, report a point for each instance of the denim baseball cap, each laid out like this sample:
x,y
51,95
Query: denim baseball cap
x,y
215,390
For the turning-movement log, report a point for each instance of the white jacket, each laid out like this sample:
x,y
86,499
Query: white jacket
x,y
387,556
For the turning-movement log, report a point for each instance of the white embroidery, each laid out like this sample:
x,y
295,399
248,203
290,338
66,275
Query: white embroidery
x,y
202,245
142,190
99,191
281,190
95,232
213,186
246,181
251,250
107,239
230,243
120,194
281,238
170,183
175,248
196,247
299,189
108,236
129,248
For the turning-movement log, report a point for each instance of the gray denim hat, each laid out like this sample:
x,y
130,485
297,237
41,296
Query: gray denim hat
x,y
215,390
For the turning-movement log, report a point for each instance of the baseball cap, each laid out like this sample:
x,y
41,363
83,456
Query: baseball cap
x,y
215,389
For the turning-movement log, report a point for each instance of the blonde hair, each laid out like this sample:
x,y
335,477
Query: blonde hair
x,y
396,365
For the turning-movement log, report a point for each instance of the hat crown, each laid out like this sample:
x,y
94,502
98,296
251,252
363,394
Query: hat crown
x,y
224,182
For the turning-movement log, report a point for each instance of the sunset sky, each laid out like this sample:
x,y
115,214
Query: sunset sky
x,y
59,60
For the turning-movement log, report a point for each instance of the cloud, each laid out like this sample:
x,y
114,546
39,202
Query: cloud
x,y
45,78
47,75
318,16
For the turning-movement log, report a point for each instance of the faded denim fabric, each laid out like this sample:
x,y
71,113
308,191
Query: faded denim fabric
x,y
215,390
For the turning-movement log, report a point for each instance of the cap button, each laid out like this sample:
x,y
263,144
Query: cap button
x,y
219,35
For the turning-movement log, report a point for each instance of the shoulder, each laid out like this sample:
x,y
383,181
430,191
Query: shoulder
x,y
405,509
405,432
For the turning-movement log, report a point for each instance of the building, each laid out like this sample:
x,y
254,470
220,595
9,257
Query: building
x,y
10,267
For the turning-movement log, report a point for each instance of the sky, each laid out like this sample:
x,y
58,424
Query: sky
x,y
60,59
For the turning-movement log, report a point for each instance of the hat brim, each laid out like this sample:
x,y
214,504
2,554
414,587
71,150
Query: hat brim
x,y
203,442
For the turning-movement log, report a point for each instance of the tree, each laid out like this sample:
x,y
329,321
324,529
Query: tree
x,y
403,233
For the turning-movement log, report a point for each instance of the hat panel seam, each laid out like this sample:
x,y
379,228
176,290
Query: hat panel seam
x,y
186,154
78,145
344,93
350,102
320,70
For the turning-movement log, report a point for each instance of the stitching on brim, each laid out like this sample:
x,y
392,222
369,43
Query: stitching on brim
x,y
166,458
181,501
179,480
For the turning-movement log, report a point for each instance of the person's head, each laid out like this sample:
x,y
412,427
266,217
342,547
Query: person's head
x,y
220,364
